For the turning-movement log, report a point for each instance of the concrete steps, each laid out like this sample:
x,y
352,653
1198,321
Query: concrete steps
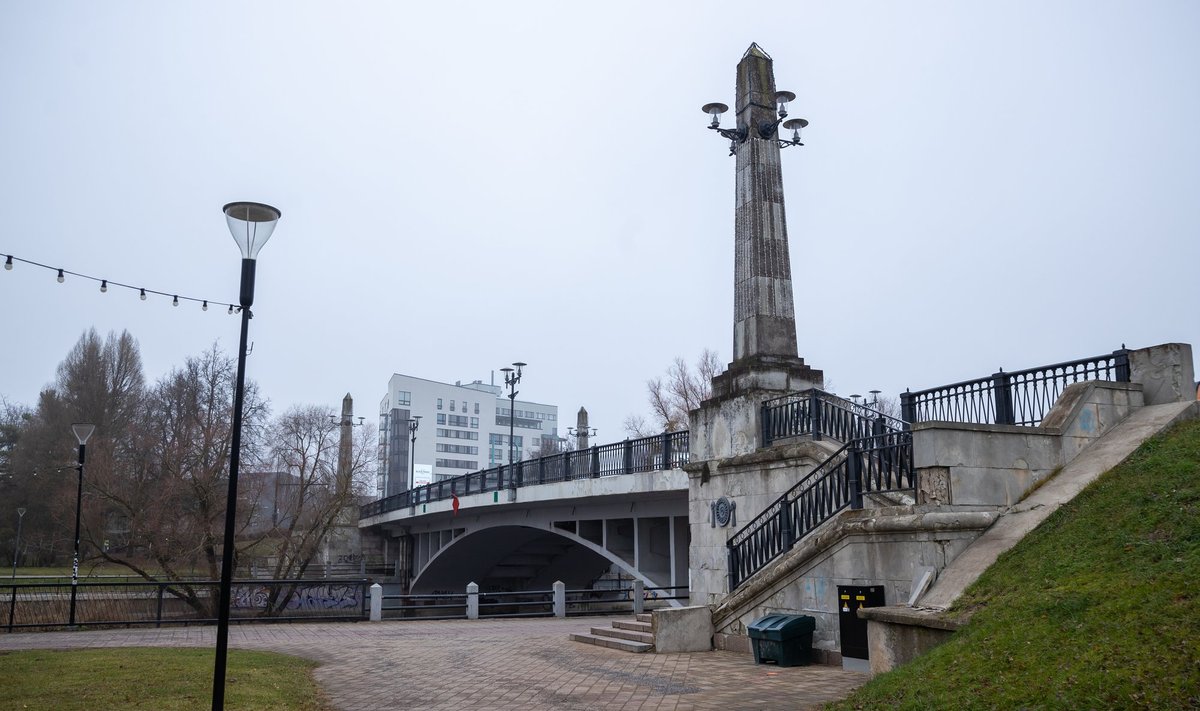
x,y
626,635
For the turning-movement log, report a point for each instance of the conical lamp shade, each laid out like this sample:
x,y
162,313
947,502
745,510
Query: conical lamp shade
x,y
251,224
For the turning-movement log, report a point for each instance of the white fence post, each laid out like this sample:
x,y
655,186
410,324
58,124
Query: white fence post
x,y
472,601
639,597
560,599
376,602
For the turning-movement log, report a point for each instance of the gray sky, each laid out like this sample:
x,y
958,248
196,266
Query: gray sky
x,y
468,184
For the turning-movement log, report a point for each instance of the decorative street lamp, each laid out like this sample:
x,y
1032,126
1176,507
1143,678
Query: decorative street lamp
x,y
413,424
82,432
511,378
251,224
17,545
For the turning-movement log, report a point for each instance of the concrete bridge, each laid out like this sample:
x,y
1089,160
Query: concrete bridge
x,y
573,517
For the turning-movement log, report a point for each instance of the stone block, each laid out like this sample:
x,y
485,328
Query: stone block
x,y
1165,373
682,629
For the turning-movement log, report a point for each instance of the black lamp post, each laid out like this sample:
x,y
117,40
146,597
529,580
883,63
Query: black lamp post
x,y
511,378
251,224
414,423
17,545
82,432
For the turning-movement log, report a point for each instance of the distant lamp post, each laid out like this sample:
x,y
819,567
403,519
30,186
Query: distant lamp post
x,y
581,435
17,545
82,433
251,224
511,379
765,129
414,423
874,398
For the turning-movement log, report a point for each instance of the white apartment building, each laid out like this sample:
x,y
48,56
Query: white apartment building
x,y
463,428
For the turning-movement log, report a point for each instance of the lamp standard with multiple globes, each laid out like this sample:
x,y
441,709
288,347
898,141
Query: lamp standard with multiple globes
x,y
414,423
251,224
82,432
511,378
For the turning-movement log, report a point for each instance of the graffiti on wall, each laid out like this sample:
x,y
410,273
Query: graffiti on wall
x,y
308,596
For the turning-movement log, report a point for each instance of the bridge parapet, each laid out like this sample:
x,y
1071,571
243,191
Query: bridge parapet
x,y
666,451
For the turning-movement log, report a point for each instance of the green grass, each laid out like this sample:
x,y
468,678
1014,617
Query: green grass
x,y
1098,608
159,679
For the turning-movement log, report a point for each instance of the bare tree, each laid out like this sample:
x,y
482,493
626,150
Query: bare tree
x,y
673,395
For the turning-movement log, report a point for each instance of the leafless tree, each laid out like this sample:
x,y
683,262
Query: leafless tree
x,y
673,395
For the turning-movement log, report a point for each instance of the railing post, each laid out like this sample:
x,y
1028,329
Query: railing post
x,y
854,475
1002,392
541,470
472,601
786,531
158,611
628,458
639,597
814,413
731,563
12,606
595,457
908,410
376,602
765,415
560,598
666,451
1121,358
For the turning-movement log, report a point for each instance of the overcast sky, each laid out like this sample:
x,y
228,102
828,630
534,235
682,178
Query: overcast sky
x,y
468,184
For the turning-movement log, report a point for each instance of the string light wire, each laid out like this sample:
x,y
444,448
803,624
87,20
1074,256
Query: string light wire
x,y
105,283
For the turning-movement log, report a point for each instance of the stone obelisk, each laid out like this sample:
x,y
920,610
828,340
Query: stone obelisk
x,y
765,358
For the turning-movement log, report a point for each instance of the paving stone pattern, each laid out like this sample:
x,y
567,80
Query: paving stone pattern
x,y
494,664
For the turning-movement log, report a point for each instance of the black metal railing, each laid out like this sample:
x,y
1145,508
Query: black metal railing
x,y
1019,398
184,602
876,463
668,450
527,603
818,413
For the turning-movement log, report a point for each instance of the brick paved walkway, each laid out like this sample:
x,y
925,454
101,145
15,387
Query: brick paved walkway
x,y
494,664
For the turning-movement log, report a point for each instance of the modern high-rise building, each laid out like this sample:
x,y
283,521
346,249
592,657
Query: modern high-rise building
x,y
463,428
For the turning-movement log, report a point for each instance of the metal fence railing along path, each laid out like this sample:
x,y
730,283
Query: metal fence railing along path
x,y
818,413
876,463
183,602
658,453
1018,398
527,603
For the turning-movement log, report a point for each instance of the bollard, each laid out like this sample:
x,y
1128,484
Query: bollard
x,y
376,602
639,597
472,601
560,599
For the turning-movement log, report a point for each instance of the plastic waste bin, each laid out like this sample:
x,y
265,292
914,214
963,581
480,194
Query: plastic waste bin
x,y
783,639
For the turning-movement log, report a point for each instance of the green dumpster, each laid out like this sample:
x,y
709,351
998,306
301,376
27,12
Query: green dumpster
x,y
783,639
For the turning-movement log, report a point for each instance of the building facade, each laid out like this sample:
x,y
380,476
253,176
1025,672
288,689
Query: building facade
x,y
463,428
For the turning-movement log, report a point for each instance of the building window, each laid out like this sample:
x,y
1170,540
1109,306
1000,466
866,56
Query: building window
x,y
403,398
457,448
456,420
475,422
439,403
457,434
451,406
457,463
476,408
441,419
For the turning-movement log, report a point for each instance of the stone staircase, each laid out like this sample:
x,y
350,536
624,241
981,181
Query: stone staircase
x,y
628,636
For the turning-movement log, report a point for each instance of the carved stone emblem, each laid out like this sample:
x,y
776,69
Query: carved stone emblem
x,y
723,513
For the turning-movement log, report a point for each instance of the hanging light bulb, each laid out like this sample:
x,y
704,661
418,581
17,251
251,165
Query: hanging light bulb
x,y
104,286
8,262
175,301
143,294
205,306
61,278
230,312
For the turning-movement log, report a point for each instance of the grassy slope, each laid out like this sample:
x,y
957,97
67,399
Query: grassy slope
x,y
1098,608
158,679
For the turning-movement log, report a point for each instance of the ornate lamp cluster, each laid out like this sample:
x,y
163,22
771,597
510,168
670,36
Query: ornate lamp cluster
x,y
766,129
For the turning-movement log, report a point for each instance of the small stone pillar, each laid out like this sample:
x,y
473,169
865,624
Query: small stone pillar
x,y
472,601
639,597
560,599
376,602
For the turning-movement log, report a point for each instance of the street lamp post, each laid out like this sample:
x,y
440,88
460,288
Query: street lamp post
x,y
511,378
82,432
414,423
251,224
17,545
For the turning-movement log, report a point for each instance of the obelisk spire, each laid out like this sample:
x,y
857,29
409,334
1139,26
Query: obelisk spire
x,y
764,321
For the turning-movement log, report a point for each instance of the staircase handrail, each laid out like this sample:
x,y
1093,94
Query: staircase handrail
x,y
875,463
